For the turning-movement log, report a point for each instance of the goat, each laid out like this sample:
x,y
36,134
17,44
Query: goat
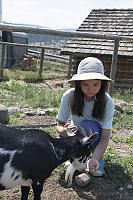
x,y
28,157
77,164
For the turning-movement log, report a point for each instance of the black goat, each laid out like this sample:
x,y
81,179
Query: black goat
x,y
28,157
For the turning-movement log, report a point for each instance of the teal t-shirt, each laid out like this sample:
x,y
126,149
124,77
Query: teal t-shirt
x,y
65,113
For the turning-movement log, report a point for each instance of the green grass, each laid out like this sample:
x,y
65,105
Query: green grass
x,y
14,119
119,169
27,95
128,140
126,95
48,72
123,119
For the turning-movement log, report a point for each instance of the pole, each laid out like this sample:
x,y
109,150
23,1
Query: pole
x,y
41,63
113,66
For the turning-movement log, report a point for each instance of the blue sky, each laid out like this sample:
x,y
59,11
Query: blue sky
x,y
55,14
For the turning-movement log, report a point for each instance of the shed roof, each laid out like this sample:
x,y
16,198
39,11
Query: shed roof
x,y
103,21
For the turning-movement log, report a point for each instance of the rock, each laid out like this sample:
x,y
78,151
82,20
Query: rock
x,y
129,187
29,111
4,117
49,110
120,106
13,110
40,112
121,188
131,132
83,179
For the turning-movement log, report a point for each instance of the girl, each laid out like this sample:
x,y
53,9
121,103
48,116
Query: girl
x,y
90,106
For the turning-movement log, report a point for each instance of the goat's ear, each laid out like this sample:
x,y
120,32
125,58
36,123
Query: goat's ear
x,y
89,140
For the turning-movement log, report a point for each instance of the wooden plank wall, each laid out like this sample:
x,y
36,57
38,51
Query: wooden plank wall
x,y
124,71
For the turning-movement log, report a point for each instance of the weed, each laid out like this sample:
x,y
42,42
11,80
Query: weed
x,y
51,131
13,119
122,119
126,95
13,92
49,71
128,140
118,169
54,112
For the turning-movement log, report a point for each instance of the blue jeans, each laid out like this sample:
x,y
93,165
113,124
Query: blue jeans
x,y
94,126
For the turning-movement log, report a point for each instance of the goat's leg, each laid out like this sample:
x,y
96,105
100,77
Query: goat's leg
x,y
37,190
69,174
24,192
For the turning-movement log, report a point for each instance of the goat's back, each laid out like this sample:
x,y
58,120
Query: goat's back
x,y
13,138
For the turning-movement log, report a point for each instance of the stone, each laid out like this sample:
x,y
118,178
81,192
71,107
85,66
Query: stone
x,y
49,110
83,179
29,112
121,188
40,112
129,187
4,117
12,110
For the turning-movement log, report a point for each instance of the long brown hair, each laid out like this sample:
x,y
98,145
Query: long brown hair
x,y
77,101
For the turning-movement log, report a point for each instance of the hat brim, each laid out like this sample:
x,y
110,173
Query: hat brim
x,y
89,76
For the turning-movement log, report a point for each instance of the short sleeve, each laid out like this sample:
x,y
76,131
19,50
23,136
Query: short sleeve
x,y
64,110
109,113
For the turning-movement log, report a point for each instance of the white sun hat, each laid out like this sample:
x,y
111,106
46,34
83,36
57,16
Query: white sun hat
x,y
90,68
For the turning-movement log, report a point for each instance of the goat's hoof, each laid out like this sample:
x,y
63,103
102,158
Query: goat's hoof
x,y
69,184
83,179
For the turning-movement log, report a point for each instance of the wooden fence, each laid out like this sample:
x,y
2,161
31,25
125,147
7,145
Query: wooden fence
x,y
36,30
47,56
37,54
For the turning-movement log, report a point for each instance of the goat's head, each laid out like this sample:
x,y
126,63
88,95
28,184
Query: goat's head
x,y
81,150
82,144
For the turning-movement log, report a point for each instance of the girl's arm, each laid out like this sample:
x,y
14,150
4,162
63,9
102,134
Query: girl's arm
x,y
93,163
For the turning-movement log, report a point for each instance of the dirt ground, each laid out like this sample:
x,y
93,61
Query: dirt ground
x,y
55,187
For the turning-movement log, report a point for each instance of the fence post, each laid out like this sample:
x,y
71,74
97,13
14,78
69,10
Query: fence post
x,y
2,60
113,66
69,67
41,62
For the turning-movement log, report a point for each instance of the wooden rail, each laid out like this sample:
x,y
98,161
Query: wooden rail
x,y
38,30
47,56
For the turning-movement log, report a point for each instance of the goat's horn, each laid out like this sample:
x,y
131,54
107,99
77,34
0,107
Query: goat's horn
x,y
90,132
82,131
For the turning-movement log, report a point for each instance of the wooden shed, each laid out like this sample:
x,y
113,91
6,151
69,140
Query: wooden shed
x,y
105,21
14,54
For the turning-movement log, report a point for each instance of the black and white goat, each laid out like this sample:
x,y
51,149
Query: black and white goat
x,y
77,164
28,157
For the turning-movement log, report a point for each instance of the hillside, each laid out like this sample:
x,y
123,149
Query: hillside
x,y
46,39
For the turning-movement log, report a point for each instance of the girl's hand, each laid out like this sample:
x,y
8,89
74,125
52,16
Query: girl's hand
x,y
92,165
70,130
64,130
